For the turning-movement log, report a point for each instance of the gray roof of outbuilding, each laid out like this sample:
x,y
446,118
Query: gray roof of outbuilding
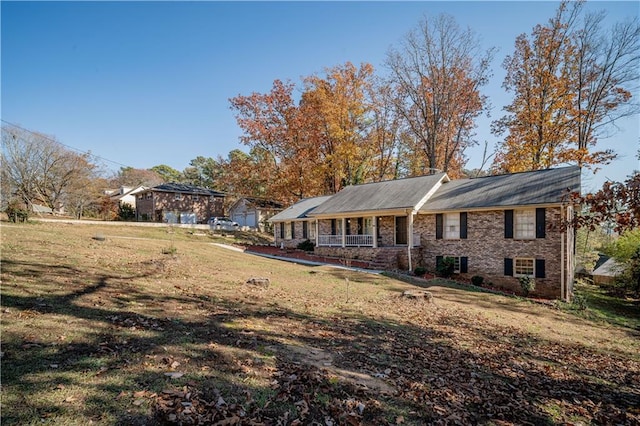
x,y
184,188
299,210
379,196
549,186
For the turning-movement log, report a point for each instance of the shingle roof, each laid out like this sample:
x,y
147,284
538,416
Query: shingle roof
x,y
300,209
379,196
550,186
184,188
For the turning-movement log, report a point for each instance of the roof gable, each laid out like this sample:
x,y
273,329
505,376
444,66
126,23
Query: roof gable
x,y
399,194
550,186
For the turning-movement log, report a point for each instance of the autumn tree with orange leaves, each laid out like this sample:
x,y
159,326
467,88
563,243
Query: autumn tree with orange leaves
x,y
571,82
439,72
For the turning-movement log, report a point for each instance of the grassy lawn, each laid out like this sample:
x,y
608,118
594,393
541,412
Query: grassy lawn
x,y
140,326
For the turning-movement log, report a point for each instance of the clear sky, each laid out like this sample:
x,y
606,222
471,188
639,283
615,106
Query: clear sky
x,y
147,83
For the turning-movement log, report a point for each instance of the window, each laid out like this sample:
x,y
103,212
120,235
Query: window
x,y
452,226
312,230
177,197
287,229
523,266
149,195
305,229
195,197
525,224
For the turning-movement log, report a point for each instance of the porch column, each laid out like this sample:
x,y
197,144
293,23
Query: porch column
x,y
375,232
275,234
344,232
410,238
317,225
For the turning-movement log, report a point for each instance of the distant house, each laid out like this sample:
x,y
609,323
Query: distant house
x,y
178,203
125,195
606,272
498,227
254,212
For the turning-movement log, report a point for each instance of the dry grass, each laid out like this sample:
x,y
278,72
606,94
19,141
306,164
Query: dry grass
x,y
98,321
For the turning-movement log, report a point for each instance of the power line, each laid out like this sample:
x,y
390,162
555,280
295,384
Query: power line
x,y
64,145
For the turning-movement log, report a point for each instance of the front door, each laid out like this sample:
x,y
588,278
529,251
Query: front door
x,y
401,230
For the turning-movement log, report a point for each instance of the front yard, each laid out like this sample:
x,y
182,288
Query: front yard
x,y
150,326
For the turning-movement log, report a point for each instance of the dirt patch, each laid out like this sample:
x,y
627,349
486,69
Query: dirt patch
x,y
325,361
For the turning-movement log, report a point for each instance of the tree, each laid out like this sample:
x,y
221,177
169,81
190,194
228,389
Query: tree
x,y
616,203
203,171
438,73
280,141
167,173
129,176
339,108
37,169
571,82
538,73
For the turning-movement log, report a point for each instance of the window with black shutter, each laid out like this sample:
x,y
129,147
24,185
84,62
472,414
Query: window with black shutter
x,y
439,224
463,225
508,224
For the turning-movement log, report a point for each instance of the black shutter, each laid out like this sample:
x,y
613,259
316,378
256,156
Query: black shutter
x,y
540,268
439,226
333,227
508,266
360,226
293,230
438,261
540,223
282,230
463,225
305,229
508,223
464,262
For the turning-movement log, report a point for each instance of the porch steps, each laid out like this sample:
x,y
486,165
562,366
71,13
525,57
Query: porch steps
x,y
385,259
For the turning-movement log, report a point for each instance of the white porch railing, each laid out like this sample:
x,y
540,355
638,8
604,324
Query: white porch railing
x,y
350,240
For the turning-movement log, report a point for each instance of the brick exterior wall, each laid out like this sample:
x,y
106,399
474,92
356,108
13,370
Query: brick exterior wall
x,y
486,248
153,209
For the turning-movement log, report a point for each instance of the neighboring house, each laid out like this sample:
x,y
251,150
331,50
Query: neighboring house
x,y
39,209
254,212
499,227
606,273
125,195
178,203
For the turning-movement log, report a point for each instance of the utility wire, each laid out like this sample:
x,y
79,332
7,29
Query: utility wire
x,y
64,145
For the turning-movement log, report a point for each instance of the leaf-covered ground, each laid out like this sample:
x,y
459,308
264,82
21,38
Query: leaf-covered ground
x,y
111,330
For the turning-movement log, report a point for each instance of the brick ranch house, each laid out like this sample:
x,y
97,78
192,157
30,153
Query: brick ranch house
x,y
178,203
498,227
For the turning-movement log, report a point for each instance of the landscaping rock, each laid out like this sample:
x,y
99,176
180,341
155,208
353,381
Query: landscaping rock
x,y
261,282
418,294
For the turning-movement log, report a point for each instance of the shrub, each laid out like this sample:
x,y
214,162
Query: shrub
x,y
579,302
306,245
126,212
528,284
477,280
444,268
420,271
17,212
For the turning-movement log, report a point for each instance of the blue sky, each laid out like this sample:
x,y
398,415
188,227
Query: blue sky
x,y
148,83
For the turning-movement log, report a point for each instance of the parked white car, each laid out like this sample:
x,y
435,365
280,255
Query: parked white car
x,y
223,223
